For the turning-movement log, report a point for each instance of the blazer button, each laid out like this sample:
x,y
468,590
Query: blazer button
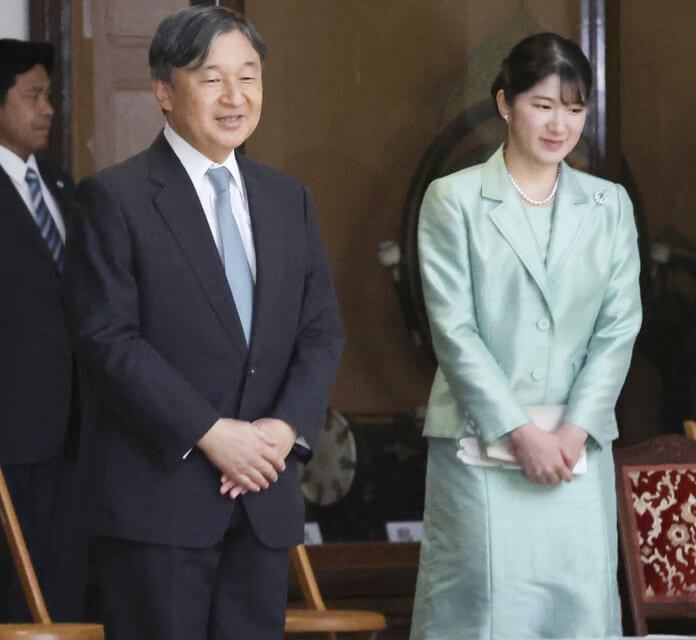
x,y
543,324
537,374
252,371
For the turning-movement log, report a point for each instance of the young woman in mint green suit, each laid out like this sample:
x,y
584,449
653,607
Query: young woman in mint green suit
x,y
530,276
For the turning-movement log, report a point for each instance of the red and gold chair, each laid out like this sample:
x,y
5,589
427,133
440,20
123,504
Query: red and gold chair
x,y
656,491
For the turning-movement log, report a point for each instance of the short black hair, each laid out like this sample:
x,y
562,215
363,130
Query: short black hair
x,y
539,56
18,57
184,39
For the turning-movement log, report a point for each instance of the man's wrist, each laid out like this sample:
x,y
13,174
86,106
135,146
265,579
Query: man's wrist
x,y
208,438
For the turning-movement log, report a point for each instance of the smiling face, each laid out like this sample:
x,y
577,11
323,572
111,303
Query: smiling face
x,y
542,128
26,114
216,106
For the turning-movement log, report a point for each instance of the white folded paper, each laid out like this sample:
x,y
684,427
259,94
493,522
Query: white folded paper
x,y
500,453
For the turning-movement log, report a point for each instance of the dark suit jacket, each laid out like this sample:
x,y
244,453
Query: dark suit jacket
x,y
158,335
36,366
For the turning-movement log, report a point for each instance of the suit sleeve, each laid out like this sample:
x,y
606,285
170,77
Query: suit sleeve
x,y
319,340
477,381
596,389
152,399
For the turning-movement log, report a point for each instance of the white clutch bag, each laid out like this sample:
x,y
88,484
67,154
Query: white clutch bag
x,y
500,453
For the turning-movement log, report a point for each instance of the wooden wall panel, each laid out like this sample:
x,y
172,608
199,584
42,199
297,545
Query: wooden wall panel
x,y
355,90
50,22
115,114
658,107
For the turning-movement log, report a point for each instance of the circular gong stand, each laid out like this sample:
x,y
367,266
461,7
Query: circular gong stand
x,y
329,475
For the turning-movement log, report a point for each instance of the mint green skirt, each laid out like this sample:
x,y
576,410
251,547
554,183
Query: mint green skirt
x,y
503,558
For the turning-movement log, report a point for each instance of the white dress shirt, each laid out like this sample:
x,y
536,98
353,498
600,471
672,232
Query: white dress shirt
x,y
16,168
197,165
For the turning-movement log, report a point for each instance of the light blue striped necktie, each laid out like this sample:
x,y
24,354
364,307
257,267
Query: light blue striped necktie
x,y
237,267
44,220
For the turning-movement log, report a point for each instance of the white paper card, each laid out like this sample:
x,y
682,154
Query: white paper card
x,y
404,531
312,533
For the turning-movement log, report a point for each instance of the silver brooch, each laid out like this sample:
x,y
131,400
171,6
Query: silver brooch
x,y
60,184
600,197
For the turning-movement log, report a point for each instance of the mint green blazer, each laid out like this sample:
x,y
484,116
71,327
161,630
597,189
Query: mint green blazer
x,y
510,330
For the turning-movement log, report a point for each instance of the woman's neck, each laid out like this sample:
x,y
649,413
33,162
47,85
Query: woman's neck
x,y
536,180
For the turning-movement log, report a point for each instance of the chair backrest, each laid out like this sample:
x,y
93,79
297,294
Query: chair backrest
x,y
306,578
20,556
656,491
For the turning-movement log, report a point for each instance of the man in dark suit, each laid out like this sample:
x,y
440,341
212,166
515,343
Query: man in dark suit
x,y
38,408
206,320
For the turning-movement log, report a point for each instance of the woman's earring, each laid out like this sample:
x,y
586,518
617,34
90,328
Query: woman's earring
x,y
506,117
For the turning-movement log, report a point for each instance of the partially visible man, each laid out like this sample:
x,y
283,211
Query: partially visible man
x,y
206,319
38,403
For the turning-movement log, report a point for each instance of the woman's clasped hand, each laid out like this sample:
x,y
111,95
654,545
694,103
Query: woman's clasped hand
x,y
548,457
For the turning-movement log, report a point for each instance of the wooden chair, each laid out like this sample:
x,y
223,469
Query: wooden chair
x,y
690,429
656,487
43,629
317,618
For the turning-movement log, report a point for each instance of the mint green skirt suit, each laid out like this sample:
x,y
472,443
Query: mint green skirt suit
x,y
504,558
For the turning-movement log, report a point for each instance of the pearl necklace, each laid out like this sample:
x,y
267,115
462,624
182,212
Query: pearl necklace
x,y
537,203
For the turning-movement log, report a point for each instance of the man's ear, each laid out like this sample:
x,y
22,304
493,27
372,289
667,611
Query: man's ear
x,y
163,95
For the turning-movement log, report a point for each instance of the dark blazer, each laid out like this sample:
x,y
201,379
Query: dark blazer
x,y
36,366
158,336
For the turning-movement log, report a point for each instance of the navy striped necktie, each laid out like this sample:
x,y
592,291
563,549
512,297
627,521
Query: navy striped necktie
x,y
44,220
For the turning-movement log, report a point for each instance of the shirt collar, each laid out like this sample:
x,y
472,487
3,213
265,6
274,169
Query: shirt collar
x,y
14,166
197,164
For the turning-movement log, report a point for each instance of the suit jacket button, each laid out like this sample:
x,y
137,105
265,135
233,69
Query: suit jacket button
x,y
543,324
537,374
252,371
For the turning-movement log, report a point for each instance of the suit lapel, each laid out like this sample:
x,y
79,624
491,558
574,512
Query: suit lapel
x,y
512,222
268,244
17,211
178,203
570,213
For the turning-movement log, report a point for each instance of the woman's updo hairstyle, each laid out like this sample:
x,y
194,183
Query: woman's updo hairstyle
x,y
539,56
